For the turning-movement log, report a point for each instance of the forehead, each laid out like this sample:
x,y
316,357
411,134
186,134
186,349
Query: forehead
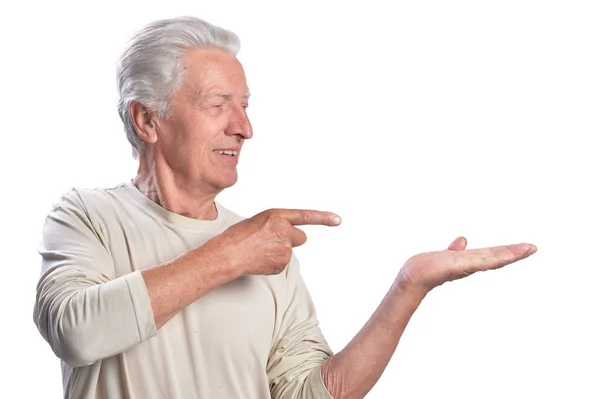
x,y
209,68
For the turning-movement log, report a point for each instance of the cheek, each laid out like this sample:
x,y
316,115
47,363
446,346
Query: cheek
x,y
195,136
204,137
198,133
209,131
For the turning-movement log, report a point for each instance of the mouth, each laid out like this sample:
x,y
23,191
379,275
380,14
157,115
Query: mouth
x,y
228,157
231,153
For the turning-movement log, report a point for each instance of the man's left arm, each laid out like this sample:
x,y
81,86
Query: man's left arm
x,y
352,373
302,352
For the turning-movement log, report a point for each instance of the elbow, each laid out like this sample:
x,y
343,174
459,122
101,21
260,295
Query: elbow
x,y
337,385
330,379
73,348
85,323
69,337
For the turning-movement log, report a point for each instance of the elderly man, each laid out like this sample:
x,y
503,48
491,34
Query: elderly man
x,y
152,289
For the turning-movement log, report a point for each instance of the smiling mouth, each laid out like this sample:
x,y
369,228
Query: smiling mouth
x,y
231,153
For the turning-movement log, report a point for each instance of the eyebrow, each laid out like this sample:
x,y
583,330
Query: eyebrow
x,y
225,95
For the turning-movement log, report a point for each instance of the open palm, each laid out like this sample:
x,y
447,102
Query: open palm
x,y
427,270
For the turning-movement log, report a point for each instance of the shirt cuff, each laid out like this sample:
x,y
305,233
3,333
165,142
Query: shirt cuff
x,y
141,305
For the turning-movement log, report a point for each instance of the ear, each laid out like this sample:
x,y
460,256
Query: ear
x,y
144,121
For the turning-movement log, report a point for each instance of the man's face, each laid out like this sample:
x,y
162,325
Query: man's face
x,y
202,138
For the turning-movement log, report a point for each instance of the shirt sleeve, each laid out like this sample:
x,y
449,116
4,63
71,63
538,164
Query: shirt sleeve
x,y
299,349
81,309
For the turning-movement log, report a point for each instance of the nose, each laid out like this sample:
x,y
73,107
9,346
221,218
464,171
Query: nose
x,y
239,123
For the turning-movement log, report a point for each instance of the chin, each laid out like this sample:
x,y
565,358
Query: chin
x,y
230,184
228,181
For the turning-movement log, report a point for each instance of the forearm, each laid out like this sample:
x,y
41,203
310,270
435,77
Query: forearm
x,y
176,284
352,372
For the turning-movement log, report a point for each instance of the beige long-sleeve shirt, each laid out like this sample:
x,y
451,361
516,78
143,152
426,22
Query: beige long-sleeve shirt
x,y
255,337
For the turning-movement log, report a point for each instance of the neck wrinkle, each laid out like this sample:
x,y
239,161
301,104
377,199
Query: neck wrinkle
x,y
159,185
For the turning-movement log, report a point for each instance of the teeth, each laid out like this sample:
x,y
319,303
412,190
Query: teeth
x,y
226,152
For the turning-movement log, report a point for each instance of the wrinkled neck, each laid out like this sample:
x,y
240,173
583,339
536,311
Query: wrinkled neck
x,y
156,180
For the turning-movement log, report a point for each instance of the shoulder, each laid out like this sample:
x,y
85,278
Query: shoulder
x,y
87,203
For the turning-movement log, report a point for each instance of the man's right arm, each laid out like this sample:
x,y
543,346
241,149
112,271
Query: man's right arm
x,y
86,314
259,245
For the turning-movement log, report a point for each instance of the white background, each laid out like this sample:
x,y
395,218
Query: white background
x,y
416,123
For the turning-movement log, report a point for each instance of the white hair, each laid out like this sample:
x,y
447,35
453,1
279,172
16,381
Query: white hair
x,y
151,69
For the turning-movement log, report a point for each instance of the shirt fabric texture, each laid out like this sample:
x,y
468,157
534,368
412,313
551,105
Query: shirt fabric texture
x,y
256,337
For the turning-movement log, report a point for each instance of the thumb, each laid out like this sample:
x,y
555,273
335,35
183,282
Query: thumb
x,y
458,244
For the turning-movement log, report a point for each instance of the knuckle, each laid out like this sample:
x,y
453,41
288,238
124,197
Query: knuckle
x,y
286,256
305,217
280,262
270,214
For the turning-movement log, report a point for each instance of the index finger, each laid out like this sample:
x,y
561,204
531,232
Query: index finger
x,y
298,217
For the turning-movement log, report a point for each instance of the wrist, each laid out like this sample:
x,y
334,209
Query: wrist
x,y
216,252
416,291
